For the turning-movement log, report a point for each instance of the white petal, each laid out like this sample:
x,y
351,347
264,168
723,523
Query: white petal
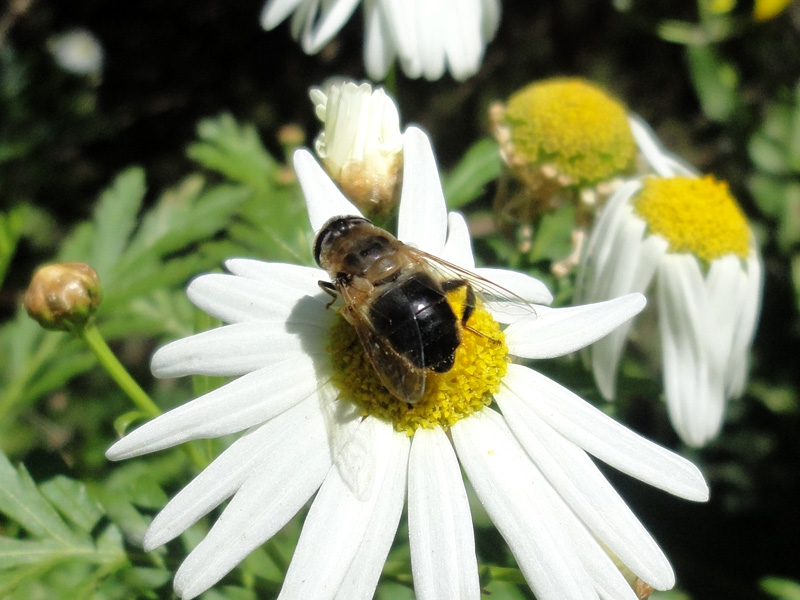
x,y
240,348
379,52
751,307
605,575
333,17
401,23
275,11
439,523
726,286
341,527
490,18
235,299
694,386
509,487
615,275
664,163
526,287
294,465
601,436
458,248
463,40
365,569
431,25
323,198
245,458
294,276
598,259
303,21
423,216
558,331
586,491
630,267
243,403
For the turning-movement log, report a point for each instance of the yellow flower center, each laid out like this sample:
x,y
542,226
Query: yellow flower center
x,y
695,215
574,126
767,9
480,364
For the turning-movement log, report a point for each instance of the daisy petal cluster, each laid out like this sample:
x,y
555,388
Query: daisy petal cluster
x,y
426,37
684,236
303,435
361,143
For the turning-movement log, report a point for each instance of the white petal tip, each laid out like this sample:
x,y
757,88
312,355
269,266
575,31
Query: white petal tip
x,y
114,453
151,542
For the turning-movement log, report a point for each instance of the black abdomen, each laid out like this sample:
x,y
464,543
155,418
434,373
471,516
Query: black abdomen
x,y
414,316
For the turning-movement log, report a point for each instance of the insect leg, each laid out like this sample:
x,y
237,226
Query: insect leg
x,y
330,289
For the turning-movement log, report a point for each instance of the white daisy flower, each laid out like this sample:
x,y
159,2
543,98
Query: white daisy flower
x,y
424,36
77,51
317,420
685,236
361,145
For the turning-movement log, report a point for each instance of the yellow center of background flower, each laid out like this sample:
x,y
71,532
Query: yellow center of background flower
x,y
574,126
480,364
695,215
767,9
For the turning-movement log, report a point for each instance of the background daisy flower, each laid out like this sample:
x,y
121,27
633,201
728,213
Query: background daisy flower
x,y
683,238
304,433
426,37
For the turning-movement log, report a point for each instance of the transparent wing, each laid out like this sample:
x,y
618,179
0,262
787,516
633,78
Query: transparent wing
x,y
401,377
495,296
398,375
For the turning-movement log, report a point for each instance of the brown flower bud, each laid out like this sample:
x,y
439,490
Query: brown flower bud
x,y
63,296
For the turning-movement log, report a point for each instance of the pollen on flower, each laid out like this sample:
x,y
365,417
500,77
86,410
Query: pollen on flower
x,y
573,126
480,365
695,215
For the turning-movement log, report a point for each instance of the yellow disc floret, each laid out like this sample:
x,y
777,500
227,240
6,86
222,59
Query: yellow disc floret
x,y
767,9
575,127
480,364
695,215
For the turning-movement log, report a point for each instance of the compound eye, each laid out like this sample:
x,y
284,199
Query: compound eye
x,y
334,229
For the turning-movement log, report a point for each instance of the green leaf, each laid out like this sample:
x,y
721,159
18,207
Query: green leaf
x,y
779,587
768,154
12,225
715,81
115,219
58,370
72,501
21,501
479,166
60,548
235,151
793,133
769,193
77,245
14,553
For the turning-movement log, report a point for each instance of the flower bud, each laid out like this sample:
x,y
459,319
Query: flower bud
x,y
63,296
361,145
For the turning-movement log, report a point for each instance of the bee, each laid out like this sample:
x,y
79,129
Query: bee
x,y
395,297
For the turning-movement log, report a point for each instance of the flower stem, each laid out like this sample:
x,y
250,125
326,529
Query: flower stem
x,y
91,335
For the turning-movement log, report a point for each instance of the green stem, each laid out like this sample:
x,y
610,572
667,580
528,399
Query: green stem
x,y
507,574
91,335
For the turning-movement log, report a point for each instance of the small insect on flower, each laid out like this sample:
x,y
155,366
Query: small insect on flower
x,y
396,298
